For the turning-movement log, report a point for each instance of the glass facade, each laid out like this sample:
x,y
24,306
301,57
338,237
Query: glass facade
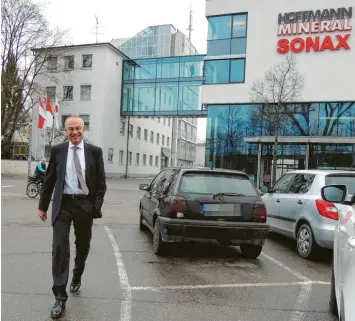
x,y
157,41
162,86
227,35
235,133
224,71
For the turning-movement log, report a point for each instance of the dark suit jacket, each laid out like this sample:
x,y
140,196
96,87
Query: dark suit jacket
x,y
55,177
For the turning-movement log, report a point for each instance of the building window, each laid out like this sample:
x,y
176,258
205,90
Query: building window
x,y
163,140
87,62
156,161
67,92
158,119
51,93
137,158
169,122
144,159
52,63
130,158
168,142
145,134
122,127
164,121
130,130
158,139
152,137
69,62
120,159
138,133
85,118
227,35
224,71
110,155
150,160
85,92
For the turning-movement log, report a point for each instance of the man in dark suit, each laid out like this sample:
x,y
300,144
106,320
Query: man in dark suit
x,y
76,170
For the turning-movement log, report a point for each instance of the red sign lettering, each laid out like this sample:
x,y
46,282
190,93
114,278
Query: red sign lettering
x,y
308,44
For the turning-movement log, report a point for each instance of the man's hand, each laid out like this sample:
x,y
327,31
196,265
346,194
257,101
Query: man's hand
x,y
43,215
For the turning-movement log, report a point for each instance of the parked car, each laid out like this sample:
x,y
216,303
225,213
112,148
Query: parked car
x,y
342,293
296,209
203,205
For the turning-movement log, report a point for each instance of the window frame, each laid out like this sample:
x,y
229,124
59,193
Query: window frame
x,y
66,58
121,152
64,92
82,61
231,32
122,127
110,153
229,71
81,87
56,64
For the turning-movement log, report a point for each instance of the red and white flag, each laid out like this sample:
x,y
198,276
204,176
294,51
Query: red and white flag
x,y
56,114
49,113
42,114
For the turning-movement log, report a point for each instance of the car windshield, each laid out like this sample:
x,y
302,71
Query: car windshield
x,y
349,181
213,183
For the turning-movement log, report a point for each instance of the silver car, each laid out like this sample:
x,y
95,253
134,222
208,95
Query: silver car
x,y
296,209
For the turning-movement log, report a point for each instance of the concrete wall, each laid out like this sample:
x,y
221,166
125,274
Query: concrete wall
x,y
328,74
16,167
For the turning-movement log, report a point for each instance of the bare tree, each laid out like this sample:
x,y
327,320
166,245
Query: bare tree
x,y
23,27
281,86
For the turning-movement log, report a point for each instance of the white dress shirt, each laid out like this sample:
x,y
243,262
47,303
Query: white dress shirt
x,y
71,179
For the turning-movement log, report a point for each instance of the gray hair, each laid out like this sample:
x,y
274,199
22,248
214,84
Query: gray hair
x,y
73,116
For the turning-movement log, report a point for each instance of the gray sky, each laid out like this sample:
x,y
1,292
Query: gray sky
x,y
124,19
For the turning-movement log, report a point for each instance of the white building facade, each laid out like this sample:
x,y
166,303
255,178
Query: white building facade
x,y
87,81
245,39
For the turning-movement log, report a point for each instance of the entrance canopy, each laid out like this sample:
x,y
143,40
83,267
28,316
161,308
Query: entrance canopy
x,y
163,87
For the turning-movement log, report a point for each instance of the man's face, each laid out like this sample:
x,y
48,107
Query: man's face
x,y
75,130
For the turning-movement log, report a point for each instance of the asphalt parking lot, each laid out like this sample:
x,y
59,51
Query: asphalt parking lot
x,y
125,281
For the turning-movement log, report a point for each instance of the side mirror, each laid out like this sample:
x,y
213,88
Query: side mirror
x,y
143,187
334,193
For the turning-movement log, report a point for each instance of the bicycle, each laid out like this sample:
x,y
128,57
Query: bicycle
x,y
34,186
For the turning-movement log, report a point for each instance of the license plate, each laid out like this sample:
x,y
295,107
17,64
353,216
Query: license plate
x,y
221,209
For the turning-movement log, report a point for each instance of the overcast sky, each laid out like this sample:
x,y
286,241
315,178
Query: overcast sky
x,y
124,19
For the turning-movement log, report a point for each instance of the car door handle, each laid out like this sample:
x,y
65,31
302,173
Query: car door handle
x,y
351,242
278,201
300,202
342,229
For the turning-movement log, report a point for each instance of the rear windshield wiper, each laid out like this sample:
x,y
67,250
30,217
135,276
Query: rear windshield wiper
x,y
227,194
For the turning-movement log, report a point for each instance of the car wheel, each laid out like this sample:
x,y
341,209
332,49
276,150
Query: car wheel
x,y
159,247
250,250
142,227
332,300
306,245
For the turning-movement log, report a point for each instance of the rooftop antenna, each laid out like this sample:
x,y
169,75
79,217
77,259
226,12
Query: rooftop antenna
x,y
190,22
97,25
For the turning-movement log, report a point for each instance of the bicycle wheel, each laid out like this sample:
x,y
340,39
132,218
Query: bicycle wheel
x,y
32,190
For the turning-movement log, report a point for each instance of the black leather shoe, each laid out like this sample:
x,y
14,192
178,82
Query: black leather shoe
x,y
58,309
74,287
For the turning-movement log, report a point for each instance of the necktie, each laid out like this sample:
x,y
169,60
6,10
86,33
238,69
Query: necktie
x,y
79,172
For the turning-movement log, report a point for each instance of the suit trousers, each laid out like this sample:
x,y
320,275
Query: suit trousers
x,y
78,211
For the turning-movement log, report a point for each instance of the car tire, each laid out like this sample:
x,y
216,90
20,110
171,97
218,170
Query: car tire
x,y
333,300
251,251
307,247
159,247
142,227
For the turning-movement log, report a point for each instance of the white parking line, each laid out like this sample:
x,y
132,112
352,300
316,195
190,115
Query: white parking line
x,y
126,302
226,286
285,267
304,295
4,186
